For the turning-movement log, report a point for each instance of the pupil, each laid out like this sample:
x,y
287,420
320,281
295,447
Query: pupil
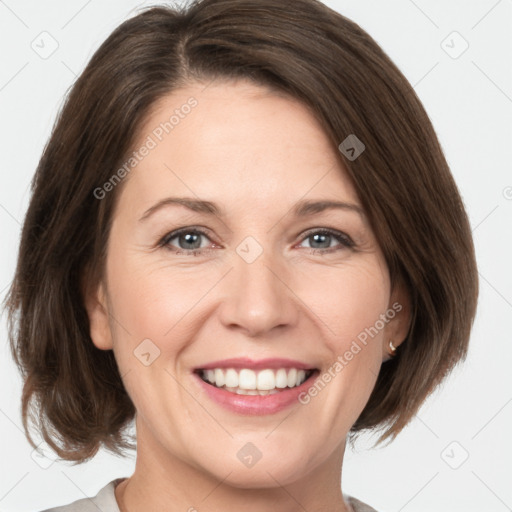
x,y
190,238
324,237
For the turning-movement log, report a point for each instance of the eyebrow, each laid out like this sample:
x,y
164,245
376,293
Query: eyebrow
x,y
301,209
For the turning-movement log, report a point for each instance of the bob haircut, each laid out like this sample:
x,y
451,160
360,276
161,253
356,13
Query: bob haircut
x,y
72,390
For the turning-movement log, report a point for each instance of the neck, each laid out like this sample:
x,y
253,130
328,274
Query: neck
x,y
163,481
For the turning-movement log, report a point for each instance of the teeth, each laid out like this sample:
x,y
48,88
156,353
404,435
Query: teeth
x,y
266,380
240,391
292,377
231,379
219,378
281,378
249,382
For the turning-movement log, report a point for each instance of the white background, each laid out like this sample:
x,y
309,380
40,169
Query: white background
x,y
469,100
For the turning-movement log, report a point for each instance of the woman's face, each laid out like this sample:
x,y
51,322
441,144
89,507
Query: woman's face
x,y
265,281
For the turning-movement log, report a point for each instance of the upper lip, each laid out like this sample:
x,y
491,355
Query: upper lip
x,y
245,362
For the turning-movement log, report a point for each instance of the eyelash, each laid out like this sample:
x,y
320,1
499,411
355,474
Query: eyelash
x,y
345,241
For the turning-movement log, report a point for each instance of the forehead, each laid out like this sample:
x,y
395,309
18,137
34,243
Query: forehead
x,y
232,141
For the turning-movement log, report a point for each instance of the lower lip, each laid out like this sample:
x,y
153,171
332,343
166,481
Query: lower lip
x,y
255,404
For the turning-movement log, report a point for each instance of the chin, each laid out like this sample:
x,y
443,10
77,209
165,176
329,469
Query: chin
x,y
267,472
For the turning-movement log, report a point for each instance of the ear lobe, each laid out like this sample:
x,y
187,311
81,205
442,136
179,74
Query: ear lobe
x,y
97,311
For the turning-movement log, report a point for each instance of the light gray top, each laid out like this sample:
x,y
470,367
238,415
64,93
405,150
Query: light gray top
x,y
105,501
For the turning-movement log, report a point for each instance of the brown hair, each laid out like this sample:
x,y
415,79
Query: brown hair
x,y
300,48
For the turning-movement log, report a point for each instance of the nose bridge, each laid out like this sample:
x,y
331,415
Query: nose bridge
x,y
257,299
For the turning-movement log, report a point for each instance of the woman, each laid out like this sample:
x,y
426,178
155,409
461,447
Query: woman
x,y
244,235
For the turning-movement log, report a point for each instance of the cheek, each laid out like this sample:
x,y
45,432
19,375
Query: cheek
x,y
155,302
348,299
350,308
153,314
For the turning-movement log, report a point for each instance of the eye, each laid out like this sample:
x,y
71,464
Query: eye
x,y
187,239
320,240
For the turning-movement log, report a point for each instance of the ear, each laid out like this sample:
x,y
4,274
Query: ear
x,y
400,316
95,300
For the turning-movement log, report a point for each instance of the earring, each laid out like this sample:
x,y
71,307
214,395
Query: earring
x,y
392,348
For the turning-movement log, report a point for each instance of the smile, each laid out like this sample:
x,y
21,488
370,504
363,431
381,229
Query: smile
x,y
245,381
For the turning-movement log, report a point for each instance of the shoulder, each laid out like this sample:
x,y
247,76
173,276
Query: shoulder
x,y
359,506
105,500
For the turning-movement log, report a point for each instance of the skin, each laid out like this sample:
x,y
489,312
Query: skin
x,y
254,153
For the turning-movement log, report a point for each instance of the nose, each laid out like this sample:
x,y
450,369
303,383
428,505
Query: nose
x,y
257,298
